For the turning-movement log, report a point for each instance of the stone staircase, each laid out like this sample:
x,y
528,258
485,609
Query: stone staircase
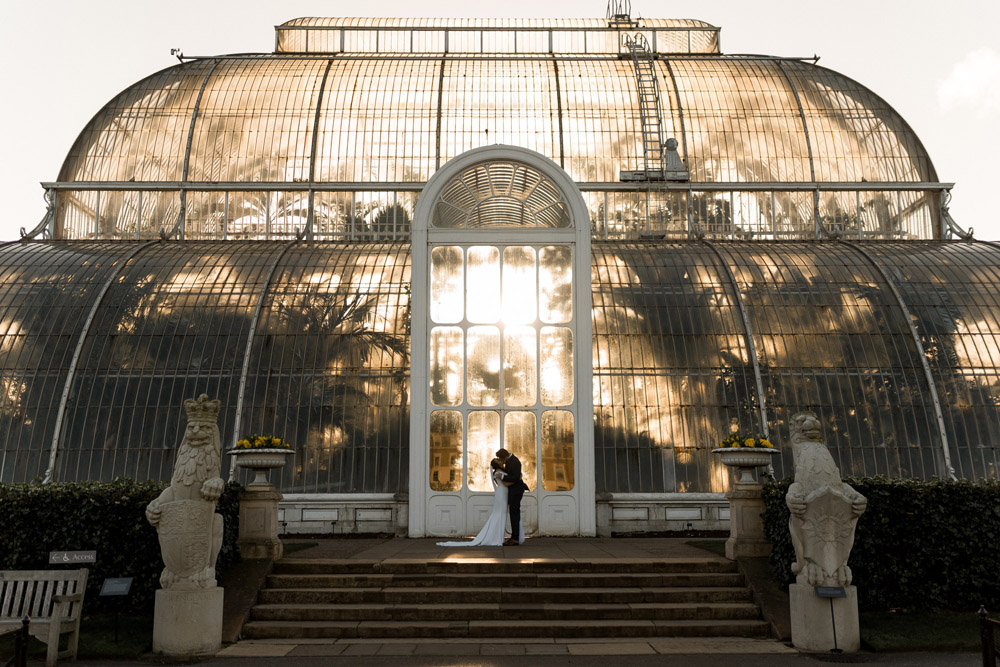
x,y
490,598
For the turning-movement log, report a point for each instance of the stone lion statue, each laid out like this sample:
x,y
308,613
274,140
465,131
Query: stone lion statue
x,y
824,509
190,531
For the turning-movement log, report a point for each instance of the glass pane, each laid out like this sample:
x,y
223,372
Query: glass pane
x,y
446,450
519,440
484,441
555,277
484,366
557,450
446,365
483,291
519,285
446,284
557,366
519,364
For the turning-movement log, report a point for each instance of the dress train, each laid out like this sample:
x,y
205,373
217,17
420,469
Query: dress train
x,y
492,532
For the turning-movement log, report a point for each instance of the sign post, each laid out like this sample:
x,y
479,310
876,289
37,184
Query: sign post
x,y
116,587
832,592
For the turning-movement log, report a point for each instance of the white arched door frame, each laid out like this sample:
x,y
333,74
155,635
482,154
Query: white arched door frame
x,y
422,236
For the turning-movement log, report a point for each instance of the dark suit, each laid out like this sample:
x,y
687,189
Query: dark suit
x,y
512,473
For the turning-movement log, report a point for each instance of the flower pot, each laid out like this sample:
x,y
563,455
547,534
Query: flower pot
x,y
745,460
260,461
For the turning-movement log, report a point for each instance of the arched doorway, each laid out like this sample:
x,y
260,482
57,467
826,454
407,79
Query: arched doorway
x,y
501,344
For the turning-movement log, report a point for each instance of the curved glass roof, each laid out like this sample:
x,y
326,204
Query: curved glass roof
x,y
397,119
159,322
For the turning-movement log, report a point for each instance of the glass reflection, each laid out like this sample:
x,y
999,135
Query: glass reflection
x,y
557,450
555,277
484,441
519,439
556,365
446,284
519,366
446,365
519,294
446,450
483,291
484,366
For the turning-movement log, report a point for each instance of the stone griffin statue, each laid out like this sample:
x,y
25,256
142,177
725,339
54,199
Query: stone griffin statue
x,y
184,514
824,509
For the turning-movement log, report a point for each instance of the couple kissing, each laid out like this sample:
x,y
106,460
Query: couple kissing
x,y
508,490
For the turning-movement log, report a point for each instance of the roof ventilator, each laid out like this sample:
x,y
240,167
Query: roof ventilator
x,y
660,162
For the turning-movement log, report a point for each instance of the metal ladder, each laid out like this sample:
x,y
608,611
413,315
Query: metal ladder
x,y
649,106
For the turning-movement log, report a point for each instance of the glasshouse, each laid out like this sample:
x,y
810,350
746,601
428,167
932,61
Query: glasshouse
x,y
401,244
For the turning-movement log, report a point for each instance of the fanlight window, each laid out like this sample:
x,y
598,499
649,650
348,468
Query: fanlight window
x,y
500,194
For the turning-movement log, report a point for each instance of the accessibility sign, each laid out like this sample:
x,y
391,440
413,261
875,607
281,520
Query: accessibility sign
x,y
72,557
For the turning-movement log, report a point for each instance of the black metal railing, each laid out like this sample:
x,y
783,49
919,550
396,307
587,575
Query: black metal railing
x,y
20,657
988,631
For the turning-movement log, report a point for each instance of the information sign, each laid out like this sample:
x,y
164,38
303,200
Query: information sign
x,y
116,586
830,592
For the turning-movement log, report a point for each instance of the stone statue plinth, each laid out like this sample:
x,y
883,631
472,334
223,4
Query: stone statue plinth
x,y
824,514
813,625
187,620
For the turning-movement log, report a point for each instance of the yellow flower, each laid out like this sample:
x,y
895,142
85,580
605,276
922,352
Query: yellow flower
x,y
749,442
243,444
765,443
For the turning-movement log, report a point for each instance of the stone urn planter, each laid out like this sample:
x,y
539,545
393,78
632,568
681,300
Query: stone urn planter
x,y
745,460
746,504
260,461
258,537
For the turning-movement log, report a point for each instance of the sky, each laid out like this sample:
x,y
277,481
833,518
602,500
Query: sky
x,y
937,64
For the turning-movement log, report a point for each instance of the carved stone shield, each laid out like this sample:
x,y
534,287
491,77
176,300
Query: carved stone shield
x,y
828,530
185,535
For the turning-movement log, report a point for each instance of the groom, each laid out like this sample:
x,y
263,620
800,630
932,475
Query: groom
x,y
515,491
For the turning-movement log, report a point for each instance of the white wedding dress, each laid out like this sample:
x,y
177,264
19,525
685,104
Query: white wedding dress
x,y
492,533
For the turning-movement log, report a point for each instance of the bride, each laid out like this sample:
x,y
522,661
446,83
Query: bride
x,y
493,530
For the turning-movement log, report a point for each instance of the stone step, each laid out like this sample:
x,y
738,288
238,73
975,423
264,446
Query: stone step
x,y
501,611
509,595
484,580
501,628
494,566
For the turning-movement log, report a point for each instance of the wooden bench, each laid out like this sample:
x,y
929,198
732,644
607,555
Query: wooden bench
x,y
51,599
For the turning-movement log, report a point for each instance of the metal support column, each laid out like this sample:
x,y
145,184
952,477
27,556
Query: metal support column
x,y
805,130
71,372
237,423
310,219
559,111
921,353
748,336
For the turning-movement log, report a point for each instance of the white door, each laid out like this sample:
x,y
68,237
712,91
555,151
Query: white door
x,y
499,362
501,374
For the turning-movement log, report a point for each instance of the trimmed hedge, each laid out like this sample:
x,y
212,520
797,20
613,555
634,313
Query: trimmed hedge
x,y
919,545
109,518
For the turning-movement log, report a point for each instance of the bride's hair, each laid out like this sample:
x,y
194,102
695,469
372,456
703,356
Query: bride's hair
x,y
496,464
